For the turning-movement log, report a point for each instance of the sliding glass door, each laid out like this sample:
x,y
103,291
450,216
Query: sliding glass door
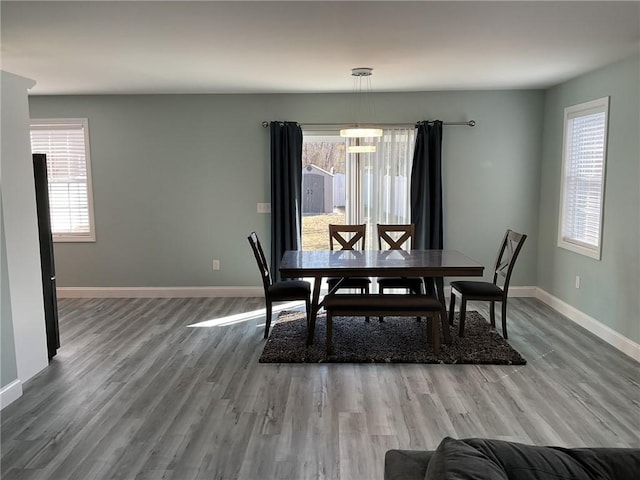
x,y
339,186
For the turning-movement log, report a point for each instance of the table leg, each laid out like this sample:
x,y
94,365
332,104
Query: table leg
x,y
429,285
439,281
315,300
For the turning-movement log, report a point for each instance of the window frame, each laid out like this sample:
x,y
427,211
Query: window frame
x,y
600,105
70,237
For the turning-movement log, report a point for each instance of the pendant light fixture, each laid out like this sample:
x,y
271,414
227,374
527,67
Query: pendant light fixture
x,y
361,74
361,148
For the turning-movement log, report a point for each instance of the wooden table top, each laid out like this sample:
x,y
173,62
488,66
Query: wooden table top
x,y
378,263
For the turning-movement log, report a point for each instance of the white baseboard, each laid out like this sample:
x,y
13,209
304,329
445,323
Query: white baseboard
x,y
513,291
158,292
523,292
599,329
10,393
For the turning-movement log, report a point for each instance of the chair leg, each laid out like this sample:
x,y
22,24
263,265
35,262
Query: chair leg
x,y
504,318
267,324
381,319
452,307
492,314
463,310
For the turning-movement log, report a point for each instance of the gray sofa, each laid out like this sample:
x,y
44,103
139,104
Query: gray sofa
x,y
484,459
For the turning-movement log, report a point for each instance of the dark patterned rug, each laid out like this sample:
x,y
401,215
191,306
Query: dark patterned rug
x,y
396,340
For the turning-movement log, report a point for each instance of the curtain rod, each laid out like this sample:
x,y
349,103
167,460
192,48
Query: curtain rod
x,y
470,123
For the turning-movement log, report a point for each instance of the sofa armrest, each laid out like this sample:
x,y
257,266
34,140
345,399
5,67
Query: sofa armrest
x,y
406,464
619,463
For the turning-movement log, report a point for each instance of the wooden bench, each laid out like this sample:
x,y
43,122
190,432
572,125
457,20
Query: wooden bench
x,y
389,305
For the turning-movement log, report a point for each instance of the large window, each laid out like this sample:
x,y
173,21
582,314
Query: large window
x,y
66,144
339,186
583,176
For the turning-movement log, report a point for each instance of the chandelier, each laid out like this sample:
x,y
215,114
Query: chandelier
x,y
360,130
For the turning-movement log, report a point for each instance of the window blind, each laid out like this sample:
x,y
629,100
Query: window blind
x,y
67,171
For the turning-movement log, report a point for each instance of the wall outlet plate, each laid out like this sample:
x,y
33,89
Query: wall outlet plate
x,y
264,208
216,264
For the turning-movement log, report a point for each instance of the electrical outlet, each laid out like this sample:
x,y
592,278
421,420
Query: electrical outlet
x,y
216,264
264,208
577,281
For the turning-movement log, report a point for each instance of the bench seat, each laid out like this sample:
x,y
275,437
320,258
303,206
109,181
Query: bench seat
x,y
388,305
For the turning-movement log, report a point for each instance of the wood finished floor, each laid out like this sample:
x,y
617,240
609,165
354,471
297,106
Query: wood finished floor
x,y
135,393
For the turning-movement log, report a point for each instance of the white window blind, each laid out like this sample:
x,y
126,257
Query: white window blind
x,y
584,155
65,142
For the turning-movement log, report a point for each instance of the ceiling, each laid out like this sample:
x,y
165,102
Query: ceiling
x,y
117,47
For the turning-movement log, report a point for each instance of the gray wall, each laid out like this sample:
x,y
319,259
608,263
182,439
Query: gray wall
x,y
176,178
610,288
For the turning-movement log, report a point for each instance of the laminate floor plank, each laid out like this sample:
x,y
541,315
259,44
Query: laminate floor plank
x,y
171,388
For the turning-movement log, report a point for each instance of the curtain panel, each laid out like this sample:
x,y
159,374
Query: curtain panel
x,y
286,194
383,178
426,186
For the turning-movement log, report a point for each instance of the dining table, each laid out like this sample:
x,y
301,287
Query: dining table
x,y
432,265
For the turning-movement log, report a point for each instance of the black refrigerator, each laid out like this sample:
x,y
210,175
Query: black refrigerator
x,y
46,254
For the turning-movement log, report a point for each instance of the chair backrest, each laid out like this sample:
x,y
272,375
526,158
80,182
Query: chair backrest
x,y
396,237
509,250
263,266
350,237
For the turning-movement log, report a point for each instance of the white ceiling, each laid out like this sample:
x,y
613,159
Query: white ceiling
x,y
118,47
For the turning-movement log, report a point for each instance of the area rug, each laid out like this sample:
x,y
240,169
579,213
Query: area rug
x,y
396,340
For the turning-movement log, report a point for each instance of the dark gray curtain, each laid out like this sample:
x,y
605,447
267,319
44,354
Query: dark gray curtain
x,y
426,186
286,196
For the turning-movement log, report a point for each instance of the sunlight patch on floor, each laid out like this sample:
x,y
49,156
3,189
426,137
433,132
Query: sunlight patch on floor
x,y
245,316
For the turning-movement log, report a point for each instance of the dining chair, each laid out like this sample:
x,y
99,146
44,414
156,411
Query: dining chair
x,y
348,237
278,291
398,237
490,291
